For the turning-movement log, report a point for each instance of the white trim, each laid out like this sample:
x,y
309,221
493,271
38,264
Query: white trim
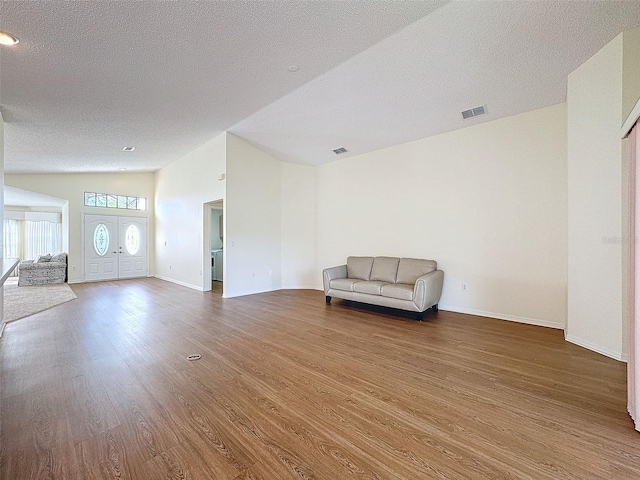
x,y
631,120
511,318
596,348
2,325
178,282
301,287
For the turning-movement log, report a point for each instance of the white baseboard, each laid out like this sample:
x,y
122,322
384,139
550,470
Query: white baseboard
x,y
300,287
178,282
596,348
74,282
250,292
499,316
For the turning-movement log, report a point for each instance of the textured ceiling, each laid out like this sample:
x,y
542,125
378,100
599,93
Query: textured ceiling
x,y
88,78
512,57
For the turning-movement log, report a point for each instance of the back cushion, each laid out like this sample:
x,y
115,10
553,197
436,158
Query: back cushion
x,y
59,258
359,267
385,269
409,269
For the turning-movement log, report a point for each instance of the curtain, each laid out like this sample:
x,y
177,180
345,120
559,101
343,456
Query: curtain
x,y
12,239
26,240
41,238
633,369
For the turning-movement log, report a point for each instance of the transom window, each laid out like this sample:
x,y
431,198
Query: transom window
x,y
109,200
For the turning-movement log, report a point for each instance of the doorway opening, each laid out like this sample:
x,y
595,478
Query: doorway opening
x,y
213,243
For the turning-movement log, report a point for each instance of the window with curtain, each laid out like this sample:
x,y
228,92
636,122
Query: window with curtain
x,y
28,239
41,238
12,239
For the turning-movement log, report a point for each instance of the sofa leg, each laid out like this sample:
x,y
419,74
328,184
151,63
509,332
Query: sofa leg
x,y
420,316
435,308
327,299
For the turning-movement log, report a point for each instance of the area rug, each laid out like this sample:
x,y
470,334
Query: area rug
x,y
20,302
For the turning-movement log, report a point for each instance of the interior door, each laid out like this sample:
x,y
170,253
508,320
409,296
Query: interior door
x,y
132,250
100,247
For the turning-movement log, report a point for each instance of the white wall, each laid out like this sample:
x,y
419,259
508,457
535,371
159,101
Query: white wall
x,y
594,106
298,209
488,203
181,190
630,96
630,71
252,220
1,214
71,187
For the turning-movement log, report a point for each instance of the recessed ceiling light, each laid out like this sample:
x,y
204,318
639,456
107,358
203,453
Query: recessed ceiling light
x,y
7,39
123,169
128,149
294,68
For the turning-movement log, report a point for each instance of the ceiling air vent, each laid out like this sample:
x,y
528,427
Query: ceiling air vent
x,y
473,112
340,150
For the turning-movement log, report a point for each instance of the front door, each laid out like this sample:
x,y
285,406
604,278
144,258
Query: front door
x,y
115,247
132,251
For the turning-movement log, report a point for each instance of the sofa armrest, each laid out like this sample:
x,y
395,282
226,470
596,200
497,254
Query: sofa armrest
x,y
428,289
332,273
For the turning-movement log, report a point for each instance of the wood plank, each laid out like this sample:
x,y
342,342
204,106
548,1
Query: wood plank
x,y
289,387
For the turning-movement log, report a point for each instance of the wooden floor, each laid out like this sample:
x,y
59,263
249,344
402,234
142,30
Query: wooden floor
x,y
289,387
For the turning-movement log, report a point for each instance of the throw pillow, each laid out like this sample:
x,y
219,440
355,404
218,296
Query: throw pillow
x,y
44,258
59,258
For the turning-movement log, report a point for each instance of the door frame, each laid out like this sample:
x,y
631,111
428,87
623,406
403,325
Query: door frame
x,y
82,256
207,209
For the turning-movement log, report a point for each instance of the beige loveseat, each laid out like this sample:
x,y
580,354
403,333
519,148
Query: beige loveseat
x,y
409,284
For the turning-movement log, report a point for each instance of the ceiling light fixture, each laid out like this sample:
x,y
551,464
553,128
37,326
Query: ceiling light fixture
x,y
7,39
128,149
293,68
123,169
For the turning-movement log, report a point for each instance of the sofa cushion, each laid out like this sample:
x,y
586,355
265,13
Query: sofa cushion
x,y
385,269
345,284
359,267
59,258
409,269
370,287
44,258
401,291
